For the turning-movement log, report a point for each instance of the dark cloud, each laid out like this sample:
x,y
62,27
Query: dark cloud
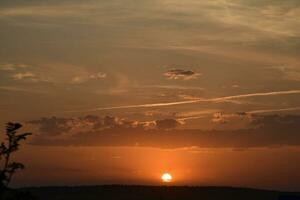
x,y
58,126
265,131
181,74
167,124
110,121
53,125
278,123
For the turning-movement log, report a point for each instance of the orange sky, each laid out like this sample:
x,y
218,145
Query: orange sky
x,y
121,91
136,165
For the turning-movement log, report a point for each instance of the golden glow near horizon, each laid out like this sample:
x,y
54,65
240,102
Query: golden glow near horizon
x,y
141,91
166,177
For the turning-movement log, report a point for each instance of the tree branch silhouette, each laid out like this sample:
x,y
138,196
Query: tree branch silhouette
x,y
7,149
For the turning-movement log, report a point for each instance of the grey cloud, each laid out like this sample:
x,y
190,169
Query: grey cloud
x,y
181,74
167,124
265,131
59,126
110,121
286,123
53,125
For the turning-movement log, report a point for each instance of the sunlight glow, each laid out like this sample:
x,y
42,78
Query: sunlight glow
x,y
166,177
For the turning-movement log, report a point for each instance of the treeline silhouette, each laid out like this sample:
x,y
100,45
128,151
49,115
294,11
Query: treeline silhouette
x,y
124,192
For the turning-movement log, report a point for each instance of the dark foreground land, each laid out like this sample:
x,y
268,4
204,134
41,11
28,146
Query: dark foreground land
x,y
116,192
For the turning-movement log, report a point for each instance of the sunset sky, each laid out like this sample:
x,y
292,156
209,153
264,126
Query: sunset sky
x,y
121,91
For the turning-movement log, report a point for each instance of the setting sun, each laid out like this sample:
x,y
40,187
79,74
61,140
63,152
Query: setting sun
x,y
166,177
149,99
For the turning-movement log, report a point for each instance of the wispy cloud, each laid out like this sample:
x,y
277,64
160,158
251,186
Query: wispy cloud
x,y
46,11
276,93
12,67
220,117
19,89
273,110
31,76
171,87
291,73
86,77
25,75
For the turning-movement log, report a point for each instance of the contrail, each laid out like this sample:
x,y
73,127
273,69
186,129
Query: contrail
x,y
141,105
218,99
257,94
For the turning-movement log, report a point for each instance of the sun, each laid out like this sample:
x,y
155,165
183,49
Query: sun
x,y
166,177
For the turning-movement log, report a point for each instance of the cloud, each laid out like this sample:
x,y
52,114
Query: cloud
x,y
58,126
25,72
274,110
167,124
199,100
172,87
62,126
88,76
52,126
265,131
50,10
20,89
179,74
291,73
223,118
195,114
98,75
31,77
12,67
219,118
289,124
25,75
240,119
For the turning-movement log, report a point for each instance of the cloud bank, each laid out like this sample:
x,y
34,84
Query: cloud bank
x,y
263,131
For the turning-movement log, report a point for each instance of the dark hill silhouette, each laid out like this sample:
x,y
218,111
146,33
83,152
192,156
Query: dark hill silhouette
x,y
122,192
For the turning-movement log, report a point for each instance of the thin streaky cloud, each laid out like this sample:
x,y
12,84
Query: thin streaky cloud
x,y
175,87
191,118
257,95
273,110
218,99
17,89
248,112
222,52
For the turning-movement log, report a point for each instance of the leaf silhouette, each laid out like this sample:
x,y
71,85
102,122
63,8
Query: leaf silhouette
x,y
10,127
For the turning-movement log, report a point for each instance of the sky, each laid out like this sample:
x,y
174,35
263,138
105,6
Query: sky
x,y
122,91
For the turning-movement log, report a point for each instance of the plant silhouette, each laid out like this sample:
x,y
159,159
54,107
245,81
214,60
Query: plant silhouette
x,y
8,167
